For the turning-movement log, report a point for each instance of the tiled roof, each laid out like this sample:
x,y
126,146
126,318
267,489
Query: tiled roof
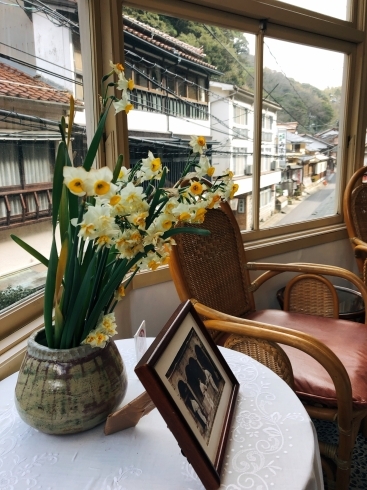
x,y
15,83
165,41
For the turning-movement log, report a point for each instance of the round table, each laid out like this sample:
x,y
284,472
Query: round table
x,y
272,444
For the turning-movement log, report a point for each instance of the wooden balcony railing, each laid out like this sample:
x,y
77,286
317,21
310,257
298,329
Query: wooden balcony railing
x,y
30,205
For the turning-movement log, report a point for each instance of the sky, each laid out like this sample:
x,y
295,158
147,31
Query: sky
x,y
317,67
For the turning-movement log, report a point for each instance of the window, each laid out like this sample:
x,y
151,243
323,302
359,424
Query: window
x,y
44,72
240,115
239,161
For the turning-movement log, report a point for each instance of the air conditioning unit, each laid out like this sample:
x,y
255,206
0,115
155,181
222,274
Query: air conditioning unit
x,y
273,165
248,170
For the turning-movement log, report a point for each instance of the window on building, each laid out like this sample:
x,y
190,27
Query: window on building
x,y
239,161
265,197
240,115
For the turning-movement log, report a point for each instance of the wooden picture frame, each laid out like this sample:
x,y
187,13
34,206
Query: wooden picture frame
x,y
193,388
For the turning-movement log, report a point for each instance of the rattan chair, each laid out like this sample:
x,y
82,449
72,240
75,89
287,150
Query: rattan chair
x,y
311,295
212,271
355,216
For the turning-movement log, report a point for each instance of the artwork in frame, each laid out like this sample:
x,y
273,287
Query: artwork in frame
x,y
193,388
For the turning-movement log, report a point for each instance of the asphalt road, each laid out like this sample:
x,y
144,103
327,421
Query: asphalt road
x,y
316,205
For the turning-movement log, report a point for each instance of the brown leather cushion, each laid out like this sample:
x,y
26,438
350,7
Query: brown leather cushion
x,y
348,340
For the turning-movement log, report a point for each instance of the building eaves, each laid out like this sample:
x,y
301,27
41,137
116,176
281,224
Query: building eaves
x,y
15,83
168,43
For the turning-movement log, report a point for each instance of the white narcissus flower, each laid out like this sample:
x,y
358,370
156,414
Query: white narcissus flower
x,y
107,325
96,339
97,221
151,167
132,194
198,144
138,219
124,84
164,222
123,104
182,212
99,182
117,67
75,179
204,167
124,174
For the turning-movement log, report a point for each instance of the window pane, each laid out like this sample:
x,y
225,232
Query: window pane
x,y
301,114
334,8
45,68
187,57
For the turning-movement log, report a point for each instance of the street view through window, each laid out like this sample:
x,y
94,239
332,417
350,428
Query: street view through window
x,y
190,79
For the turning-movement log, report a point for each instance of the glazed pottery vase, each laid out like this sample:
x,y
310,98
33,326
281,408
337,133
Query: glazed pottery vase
x,y
69,390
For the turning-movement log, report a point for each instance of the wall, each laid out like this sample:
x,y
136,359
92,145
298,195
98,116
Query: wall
x,y
155,304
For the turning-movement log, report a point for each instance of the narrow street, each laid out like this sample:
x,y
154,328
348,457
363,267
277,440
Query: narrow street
x,y
319,203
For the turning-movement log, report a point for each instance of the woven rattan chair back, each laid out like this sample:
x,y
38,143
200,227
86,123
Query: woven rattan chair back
x,y
311,295
268,353
355,215
210,268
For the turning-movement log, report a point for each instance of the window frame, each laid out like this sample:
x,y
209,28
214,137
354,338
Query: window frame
x,y
289,23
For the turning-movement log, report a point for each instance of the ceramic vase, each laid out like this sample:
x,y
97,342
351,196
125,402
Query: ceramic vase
x,y
69,390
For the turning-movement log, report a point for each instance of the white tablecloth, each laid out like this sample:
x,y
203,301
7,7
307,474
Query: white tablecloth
x,y
272,444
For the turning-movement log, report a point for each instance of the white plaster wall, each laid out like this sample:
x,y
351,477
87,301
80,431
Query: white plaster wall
x,y
147,121
53,44
189,126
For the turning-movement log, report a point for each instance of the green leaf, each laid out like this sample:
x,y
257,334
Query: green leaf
x,y
58,181
50,294
118,166
30,250
192,231
91,154
78,309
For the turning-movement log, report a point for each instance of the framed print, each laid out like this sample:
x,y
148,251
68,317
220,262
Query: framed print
x,y
193,388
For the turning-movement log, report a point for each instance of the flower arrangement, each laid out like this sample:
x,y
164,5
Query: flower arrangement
x,y
113,224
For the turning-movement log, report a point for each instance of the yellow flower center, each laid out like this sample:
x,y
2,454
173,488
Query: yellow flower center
x,y
155,164
210,171
196,188
215,199
201,141
130,84
87,229
234,190
200,213
153,265
119,67
184,216
128,108
103,240
165,261
101,187
121,291
115,200
76,185
166,224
